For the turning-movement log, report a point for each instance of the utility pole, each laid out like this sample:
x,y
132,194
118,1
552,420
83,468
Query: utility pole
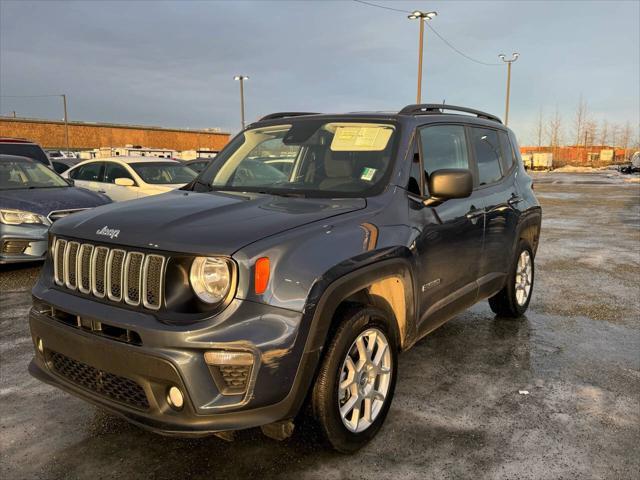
x,y
66,122
508,62
241,79
422,16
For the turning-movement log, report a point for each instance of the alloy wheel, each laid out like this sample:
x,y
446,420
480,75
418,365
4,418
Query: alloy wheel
x,y
365,378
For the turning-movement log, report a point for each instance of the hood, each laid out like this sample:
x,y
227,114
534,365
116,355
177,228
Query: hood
x,y
199,223
46,200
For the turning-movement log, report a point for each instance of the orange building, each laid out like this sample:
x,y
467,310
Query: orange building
x,y
85,136
593,156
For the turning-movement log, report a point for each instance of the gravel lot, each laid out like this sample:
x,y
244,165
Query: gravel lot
x,y
457,411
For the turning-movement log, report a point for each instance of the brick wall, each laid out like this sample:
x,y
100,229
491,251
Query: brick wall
x,y
84,136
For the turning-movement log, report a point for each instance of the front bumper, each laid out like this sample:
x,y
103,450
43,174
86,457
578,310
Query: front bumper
x,y
23,243
105,370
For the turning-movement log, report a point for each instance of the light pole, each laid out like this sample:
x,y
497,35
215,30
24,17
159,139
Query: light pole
x,y
241,79
502,57
422,16
66,122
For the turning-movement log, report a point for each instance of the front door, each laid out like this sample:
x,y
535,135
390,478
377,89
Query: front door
x,y
119,193
449,237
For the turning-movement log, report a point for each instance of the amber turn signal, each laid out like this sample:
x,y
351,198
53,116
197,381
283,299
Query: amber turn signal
x,y
261,275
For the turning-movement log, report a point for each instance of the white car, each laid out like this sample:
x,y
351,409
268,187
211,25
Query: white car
x,y
126,178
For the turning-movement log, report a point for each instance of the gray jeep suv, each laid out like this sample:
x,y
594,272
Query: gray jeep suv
x,y
290,272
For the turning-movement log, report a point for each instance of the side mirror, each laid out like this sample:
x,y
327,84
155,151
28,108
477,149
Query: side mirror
x,y
70,182
125,182
449,183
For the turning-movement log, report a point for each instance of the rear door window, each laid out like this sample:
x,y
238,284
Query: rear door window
x,y
91,172
508,155
488,155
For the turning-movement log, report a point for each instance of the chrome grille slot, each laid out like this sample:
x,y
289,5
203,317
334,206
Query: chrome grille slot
x,y
84,269
58,259
114,274
71,265
131,277
99,271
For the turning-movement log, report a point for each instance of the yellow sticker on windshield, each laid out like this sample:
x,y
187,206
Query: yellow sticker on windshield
x,y
358,138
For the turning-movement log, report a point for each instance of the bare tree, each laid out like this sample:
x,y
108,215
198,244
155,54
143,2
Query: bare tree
x,y
539,129
625,137
615,134
580,120
604,133
554,129
590,133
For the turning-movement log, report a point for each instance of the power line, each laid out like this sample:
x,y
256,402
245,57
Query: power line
x,y
381,6
446,42
460,52
29,96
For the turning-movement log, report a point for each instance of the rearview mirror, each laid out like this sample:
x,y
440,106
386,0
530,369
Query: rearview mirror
x,y
449,183
125,182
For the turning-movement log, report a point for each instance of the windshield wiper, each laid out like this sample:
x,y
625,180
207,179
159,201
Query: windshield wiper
x,y
283,194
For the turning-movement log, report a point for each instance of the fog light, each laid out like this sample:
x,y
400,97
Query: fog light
x,y
40,345
175,399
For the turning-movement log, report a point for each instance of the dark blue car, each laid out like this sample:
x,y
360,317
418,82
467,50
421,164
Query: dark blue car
x,y
32,197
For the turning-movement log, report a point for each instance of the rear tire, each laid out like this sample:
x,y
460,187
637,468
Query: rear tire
x,y
356,381
513,300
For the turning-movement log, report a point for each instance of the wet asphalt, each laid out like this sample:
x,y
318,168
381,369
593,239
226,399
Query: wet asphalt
x,y
458,410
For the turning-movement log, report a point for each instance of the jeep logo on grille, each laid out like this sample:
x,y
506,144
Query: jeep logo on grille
x,y
108,232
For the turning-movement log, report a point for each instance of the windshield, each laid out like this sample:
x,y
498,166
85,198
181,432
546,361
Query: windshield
x,y
28,150
15,174
307,157
163,173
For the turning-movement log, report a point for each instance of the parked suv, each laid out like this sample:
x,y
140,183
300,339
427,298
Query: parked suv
x,y
230,303
24,148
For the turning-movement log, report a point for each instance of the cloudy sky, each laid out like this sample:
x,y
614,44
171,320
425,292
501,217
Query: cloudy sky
x,y
172,63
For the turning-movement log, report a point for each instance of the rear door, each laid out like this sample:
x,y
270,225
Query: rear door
x,y
450,237
499,197
89,176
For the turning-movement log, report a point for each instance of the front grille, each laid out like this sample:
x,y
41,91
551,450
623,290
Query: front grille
x,y
58,214
114,387
131,277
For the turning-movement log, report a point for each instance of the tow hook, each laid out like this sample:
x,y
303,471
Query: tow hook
x,y
278,430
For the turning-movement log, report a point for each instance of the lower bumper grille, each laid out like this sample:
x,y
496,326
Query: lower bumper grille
x,y
114,387
14,247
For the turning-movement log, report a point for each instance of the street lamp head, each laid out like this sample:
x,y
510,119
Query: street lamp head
x,y
418,14
241,77
513,58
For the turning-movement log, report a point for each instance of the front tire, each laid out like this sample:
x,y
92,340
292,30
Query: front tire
x,y
513,300
356,382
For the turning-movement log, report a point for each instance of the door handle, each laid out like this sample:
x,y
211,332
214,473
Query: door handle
x,y
473,214
102,191
514,200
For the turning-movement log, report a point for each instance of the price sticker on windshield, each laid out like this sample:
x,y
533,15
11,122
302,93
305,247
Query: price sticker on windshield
x,y
359,138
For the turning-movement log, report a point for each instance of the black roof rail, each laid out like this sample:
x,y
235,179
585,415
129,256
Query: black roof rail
x,y
431,108
273,116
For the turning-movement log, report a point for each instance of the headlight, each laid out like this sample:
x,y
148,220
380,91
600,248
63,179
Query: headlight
x,y
18,217
211,278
